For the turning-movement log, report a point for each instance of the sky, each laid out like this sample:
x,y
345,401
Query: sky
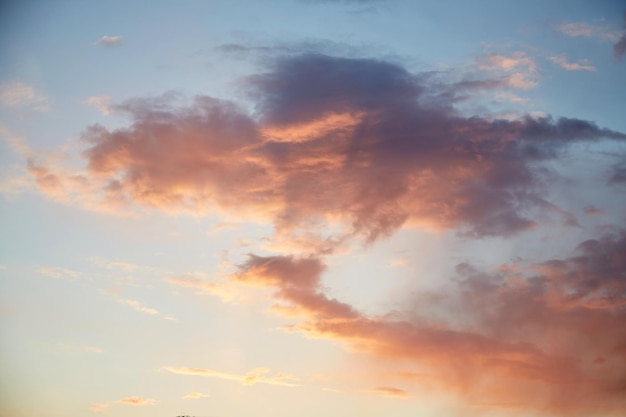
x,y
347,208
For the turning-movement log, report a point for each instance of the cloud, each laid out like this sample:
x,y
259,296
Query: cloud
x,y
138,306
58,273
195,395
203,286
297,283
389,392
562,62
519,69
255,376
133,401
102,103
109,41
586,30
16,94
619,49
337,149
528,335
71,348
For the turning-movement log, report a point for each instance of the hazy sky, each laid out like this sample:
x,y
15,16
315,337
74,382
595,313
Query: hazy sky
x,y
343,208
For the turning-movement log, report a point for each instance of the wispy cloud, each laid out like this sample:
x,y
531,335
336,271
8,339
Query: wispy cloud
x,y
16,94
519,69
57,272
256,376
102,103
203,286
109,41
389,392
619,49
73,348
397,262
195,395
582,65
587,30
133,401
138,306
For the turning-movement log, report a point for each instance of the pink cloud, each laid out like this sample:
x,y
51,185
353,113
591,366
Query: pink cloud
x,y
133,401
389,392
107,40
562,62
523,337
371,148
255,376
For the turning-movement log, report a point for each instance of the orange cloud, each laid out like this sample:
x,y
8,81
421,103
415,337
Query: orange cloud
x,y
586,30
224,291
107,40
518,338
255,376
390,392
134,401
562,62
520,69
341,149
195,395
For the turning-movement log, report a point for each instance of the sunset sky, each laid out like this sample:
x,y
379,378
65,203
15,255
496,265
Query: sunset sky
x,y
313,208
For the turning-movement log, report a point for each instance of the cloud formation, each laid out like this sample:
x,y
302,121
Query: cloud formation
x,y
359,146
109,41
389,392
195,396
619,49
255,376
562,62
586,30
133,401
16,94
102,103
527,335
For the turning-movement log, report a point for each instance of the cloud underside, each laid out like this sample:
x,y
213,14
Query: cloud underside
x,y
359,144
547,336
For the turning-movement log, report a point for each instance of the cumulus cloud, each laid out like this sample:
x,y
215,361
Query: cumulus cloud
x,y
355,143
109,41
255,376
526,335
16,94
339,149
562,62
